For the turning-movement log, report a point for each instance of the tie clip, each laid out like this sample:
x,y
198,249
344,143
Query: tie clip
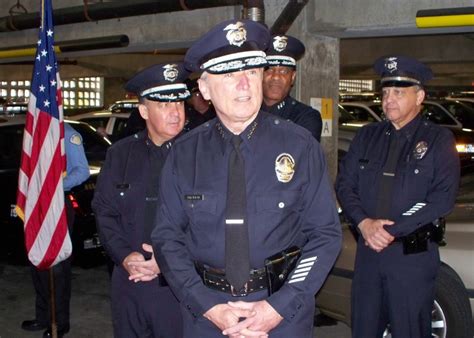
x,y
234,221
389,174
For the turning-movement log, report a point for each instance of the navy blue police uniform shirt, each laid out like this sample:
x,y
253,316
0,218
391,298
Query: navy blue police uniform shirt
x,y
426,177
191,225
120,195
299,113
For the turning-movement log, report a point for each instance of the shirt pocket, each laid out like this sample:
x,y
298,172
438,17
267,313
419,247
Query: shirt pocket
x,y
277,202
202,210
369,171
276,219
417,178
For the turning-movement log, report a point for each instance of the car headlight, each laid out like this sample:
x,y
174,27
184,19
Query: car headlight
x,y
465,148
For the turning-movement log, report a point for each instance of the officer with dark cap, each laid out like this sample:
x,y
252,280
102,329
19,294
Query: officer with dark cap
x,y
279,77
246,249
198,110
398,180
126,201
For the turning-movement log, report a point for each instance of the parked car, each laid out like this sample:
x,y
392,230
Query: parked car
x,y
85,239
9,108
371,111
112,122
452,315
466,101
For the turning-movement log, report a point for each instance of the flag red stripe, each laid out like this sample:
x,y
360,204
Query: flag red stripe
x,y
56,242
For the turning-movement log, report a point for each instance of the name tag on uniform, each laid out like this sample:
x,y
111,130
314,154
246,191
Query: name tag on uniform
x,y
196,197
123,186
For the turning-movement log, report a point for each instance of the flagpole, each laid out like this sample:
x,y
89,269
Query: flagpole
x,y
54,327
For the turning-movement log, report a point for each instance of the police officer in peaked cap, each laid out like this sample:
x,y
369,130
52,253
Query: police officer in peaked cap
x,y
279,76
219,238
398,180
126,202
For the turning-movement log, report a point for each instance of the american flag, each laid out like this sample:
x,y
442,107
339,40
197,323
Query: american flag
x,y
40,198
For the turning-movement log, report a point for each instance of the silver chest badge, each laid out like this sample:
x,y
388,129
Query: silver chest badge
x,y
391,64
279,43
420,150
284,167
170,72
236,34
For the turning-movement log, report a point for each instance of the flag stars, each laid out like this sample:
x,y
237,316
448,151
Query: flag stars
x,y
48,68
53,83
49,32
39,42
46,103
42,88
38,57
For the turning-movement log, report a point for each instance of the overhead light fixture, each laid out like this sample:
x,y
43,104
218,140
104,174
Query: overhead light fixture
x,y
114,41
445,17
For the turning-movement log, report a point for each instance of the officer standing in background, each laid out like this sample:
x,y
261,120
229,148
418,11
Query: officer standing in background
x,y
126,200
77,171
398,178
198,109
246,248
279,77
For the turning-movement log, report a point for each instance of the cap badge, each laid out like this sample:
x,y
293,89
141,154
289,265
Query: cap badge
x,y
170,72
279,43
391,64
284,167
420,150
236,34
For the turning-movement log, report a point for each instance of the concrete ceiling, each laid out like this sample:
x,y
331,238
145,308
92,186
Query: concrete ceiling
x,y
367,29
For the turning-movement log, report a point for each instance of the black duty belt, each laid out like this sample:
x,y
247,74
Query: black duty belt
x,y
425,232
215,279
417,241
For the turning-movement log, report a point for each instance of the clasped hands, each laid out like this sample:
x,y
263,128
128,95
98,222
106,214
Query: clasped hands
x,y
139,269
256,318
374,233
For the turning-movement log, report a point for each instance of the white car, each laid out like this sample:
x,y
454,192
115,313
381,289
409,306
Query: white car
x,y
111,121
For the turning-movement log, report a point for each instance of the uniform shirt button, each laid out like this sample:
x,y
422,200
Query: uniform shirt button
x,y
362,167
277,121
281,205
121,193
416,171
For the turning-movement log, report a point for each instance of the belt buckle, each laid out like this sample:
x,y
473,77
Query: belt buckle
x,y
240,293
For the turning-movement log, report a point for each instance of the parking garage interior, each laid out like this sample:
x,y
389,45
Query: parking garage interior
x,y
110,40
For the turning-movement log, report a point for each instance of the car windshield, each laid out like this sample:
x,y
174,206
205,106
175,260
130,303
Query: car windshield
x,y
436,114
461,112
11,141
345,116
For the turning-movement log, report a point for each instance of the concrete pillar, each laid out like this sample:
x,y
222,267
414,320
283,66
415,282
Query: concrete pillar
x,y
318,78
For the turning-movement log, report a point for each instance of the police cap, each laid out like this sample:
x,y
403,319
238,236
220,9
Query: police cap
x,y
162,82
284,50
230,46
402,71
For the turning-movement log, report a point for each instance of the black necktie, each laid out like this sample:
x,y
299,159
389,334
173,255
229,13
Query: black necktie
x,y
237,264
384,200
